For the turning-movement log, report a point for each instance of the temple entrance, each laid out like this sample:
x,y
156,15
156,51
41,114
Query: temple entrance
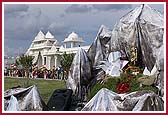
x,y
39,62
52,62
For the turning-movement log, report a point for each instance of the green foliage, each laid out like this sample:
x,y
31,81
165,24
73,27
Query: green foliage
x,y
152,88
111,83
94,90
66,61
25,61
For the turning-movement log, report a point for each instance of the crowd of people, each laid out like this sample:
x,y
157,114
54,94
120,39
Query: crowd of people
x,y
37,72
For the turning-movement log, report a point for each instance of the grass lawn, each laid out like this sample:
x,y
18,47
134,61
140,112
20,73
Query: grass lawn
x,y
45,87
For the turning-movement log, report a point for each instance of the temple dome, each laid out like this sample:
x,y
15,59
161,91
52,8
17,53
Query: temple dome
x,y
73,37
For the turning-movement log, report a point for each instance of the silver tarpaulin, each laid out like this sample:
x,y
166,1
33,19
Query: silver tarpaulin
x,y
79,74
99,51
106,100
143,28
23,99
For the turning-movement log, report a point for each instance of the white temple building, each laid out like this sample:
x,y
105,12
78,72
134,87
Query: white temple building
x,y
47,51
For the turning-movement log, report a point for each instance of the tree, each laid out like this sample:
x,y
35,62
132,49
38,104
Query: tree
x,y
66,61
25,62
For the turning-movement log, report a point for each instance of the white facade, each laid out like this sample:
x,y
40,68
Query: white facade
x,y
47,50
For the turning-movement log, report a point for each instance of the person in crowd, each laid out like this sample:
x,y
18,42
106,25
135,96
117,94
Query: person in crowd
x,y
52,76
19,73
58,72
35,74
45,73
5,71
40,75
16,73
49,74
62,72
30,72
66,74
9,72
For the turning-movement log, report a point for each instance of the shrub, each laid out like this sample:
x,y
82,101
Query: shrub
x,y
111,84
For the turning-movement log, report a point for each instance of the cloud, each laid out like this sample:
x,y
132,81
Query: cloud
x,y
107,7
84,8
9,51
13,8
18,26
59,30
57,25
21,24
76,8
62,15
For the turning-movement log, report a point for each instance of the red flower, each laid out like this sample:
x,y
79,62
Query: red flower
x,y
122,87
130,67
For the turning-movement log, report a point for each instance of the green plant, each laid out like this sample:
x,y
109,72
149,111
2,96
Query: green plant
x,y
112,82
25,62
66,61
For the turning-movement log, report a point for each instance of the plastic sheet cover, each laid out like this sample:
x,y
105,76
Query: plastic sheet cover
x,y
143,27
113,66
23,99
106,100
99,51
80,74
13,104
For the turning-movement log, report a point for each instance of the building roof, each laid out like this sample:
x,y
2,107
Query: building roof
x,y
54,46
73,37
40,35
49,35
56,43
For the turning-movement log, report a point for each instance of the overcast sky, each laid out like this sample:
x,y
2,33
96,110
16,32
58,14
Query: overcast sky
x,y
22,22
